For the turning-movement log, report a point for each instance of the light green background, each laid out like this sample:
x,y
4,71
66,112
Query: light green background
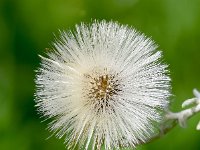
x,y
27,27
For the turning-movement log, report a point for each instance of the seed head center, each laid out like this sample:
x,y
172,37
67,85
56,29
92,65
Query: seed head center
x,y
103,87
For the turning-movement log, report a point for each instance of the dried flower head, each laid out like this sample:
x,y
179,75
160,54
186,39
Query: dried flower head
x,y
103,84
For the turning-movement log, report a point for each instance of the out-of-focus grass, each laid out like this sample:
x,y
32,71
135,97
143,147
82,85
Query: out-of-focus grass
x,y
27,27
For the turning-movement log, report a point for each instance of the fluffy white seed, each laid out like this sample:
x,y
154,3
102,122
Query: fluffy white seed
x,y
103,85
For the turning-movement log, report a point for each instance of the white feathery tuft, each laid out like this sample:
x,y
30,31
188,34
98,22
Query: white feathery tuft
x,y
103,85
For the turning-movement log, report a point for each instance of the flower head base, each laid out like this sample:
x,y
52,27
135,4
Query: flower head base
x,y
103,85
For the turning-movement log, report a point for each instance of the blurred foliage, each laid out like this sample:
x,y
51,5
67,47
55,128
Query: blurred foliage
x,y
27,27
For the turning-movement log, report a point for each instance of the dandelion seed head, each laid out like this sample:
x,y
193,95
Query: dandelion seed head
x,y
103,85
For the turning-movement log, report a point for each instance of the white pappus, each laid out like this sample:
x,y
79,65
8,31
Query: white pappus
x,y
103,85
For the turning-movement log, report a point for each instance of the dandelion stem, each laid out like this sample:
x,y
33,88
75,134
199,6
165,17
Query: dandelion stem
x,y
181,117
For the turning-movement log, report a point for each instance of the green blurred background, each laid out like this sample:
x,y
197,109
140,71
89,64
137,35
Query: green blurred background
x,y
27,27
